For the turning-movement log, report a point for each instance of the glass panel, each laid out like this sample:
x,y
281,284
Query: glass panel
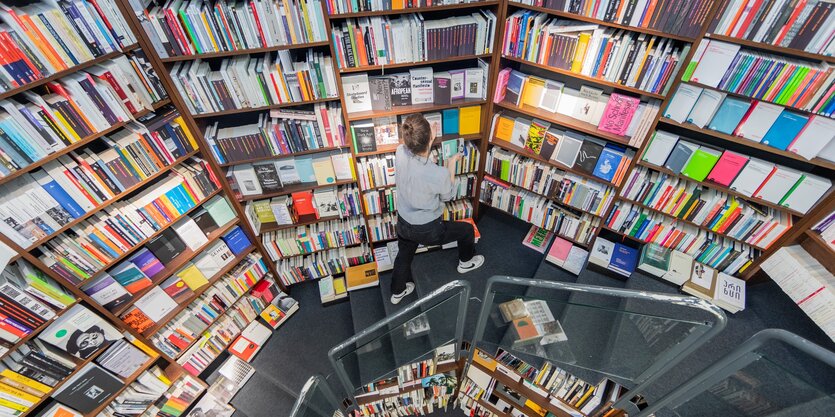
x,y
316,400
763,388
592,335
406,339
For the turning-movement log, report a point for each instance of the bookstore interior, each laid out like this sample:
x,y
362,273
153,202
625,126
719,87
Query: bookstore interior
x,y
649,183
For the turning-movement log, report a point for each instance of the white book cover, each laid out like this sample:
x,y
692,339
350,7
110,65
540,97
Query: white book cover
x,y
190,233
384,262
776,186
682,102
422,80
817,135
681,265
705,107
660,146
473,79
569,148
246,180
759,120
808,191
576,260
588,103
730,293
601,252
456,78
356,92
551,95
568,101
342,166
714,62
287,172
752,176
156,304
521,126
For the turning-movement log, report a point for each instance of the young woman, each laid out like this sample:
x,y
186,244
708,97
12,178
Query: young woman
x,y
422,188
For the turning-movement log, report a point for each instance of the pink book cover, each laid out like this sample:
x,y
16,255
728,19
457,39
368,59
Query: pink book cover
x,y
559,250
727,168
618,114
501,85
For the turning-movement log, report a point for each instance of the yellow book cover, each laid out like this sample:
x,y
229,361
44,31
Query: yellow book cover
x,y
323,168
532,92
25,396
339,286
20,387
469,120
671,202
65,127
585,397
504,129
307,26
535,407
13,405
582,45
485,360
168,205
398,4
192,277
728,212
178,121
132,163
361,276
144,348
14,376
292,27
644,59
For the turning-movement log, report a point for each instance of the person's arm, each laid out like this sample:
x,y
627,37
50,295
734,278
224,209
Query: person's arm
x,y
449,180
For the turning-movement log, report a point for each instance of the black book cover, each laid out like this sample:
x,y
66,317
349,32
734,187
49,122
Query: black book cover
x,y
364,139
204,221
441,89
13,309
588,156
89,389
166,246
267,176
401,90
814,22
380,88
758,22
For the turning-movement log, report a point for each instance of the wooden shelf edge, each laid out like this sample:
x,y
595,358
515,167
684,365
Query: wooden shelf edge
x,y
771,48
199,116
469,5
282,156
210,55
459,58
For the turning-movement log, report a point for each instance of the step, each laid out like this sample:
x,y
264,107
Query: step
x,y
262,397
367,309
405,350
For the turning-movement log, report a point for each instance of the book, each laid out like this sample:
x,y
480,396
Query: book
x,y
601,253
250,341
106,291
682,103
701,163
79,332
166,247
156,304
617,115
469,120
363,134
680,155
237,240
785,128
190,233
680,267
805,193
761,116
88,389
705,107
421,80
655,260
729,293
814,138
361,276
558,253
357,94
380,90
752,176
441,88
727,168
702,282
450,120
538,239
730,113
130,276
624,260
401,89
715,60
659,148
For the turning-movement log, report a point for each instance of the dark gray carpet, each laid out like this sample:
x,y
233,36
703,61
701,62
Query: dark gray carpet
x,y
299,348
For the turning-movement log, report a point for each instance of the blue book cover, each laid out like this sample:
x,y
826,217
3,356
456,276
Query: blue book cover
x,y
236,240
624,258
608,162
175,199
450,121
513,91
787,126
304,166
729,115
63,199
34,153
147,262
110,175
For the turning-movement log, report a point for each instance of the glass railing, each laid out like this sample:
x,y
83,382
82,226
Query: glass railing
x,y
593,332
408,336
316,400
774,373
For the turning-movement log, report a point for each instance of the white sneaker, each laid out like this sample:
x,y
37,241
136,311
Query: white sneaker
x,y
471,265
396,298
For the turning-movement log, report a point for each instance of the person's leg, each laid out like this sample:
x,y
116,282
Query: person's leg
x,y
464,234
402,272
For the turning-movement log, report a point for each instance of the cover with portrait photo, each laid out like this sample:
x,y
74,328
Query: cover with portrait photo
x,y
80,332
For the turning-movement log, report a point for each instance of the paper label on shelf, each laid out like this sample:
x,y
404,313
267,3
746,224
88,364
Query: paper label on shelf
x,y
508,372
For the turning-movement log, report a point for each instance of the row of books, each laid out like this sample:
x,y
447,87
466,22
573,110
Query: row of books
x,y
156,303
423,85
576,151
379,171
457,210
25,308
648,226
566,255
560,186
342,6
826,229
758,121
342,202
749,176
471,407
184,328
418,402
616,113
619,56
272,176
285,132
177,399
538,210
717,211
303,240
146,390
283,77
685,18
382,133
790,82
383,40
45,38
382,227
385,201
93,244
321,264
807,26
189,28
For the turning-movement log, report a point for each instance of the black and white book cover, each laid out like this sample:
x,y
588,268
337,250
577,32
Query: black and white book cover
x,y
401,89
88,389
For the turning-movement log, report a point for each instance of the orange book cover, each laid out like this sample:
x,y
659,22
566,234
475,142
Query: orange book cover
x,y
525,329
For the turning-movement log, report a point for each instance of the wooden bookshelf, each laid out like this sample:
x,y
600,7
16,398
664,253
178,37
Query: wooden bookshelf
x,y
519,387
282,156
587,19
197,293
237,52
598,81
322,250
293,188
37,331
565,121
823,163
416,108
414,385
273,227
567,207
470,5
72,70
110,202
819,249
529,154
811,56
263,108
414,64
721,188
127,381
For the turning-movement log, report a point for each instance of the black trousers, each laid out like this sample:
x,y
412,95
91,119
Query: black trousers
x,y
436,232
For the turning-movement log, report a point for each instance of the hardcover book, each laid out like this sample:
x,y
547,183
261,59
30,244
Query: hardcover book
x,y
357,93
166,247
401,89
380,88
80,332
442,88
363,134
88,389
236,240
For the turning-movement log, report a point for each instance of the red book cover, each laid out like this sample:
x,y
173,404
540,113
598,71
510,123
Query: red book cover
x,y
257,23
789,23
303,203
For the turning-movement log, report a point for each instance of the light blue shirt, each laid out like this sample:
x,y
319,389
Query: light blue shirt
x,y
422,187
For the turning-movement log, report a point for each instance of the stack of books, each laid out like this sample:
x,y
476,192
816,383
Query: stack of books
x,y
321,264
45,38
615,113
773,78
627,58
382,40
342,202
680,18
286,77
285,132
457,210
148,387
382,227
826,229
747,176
538,210
22,310
178,28
271,177
303,240
806,26
178,398
758,121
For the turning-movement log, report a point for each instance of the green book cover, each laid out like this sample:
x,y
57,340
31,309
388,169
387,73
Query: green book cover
x,y
194,40
701,163
37,280
220,210
791,87
505,172
655,259
638,224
